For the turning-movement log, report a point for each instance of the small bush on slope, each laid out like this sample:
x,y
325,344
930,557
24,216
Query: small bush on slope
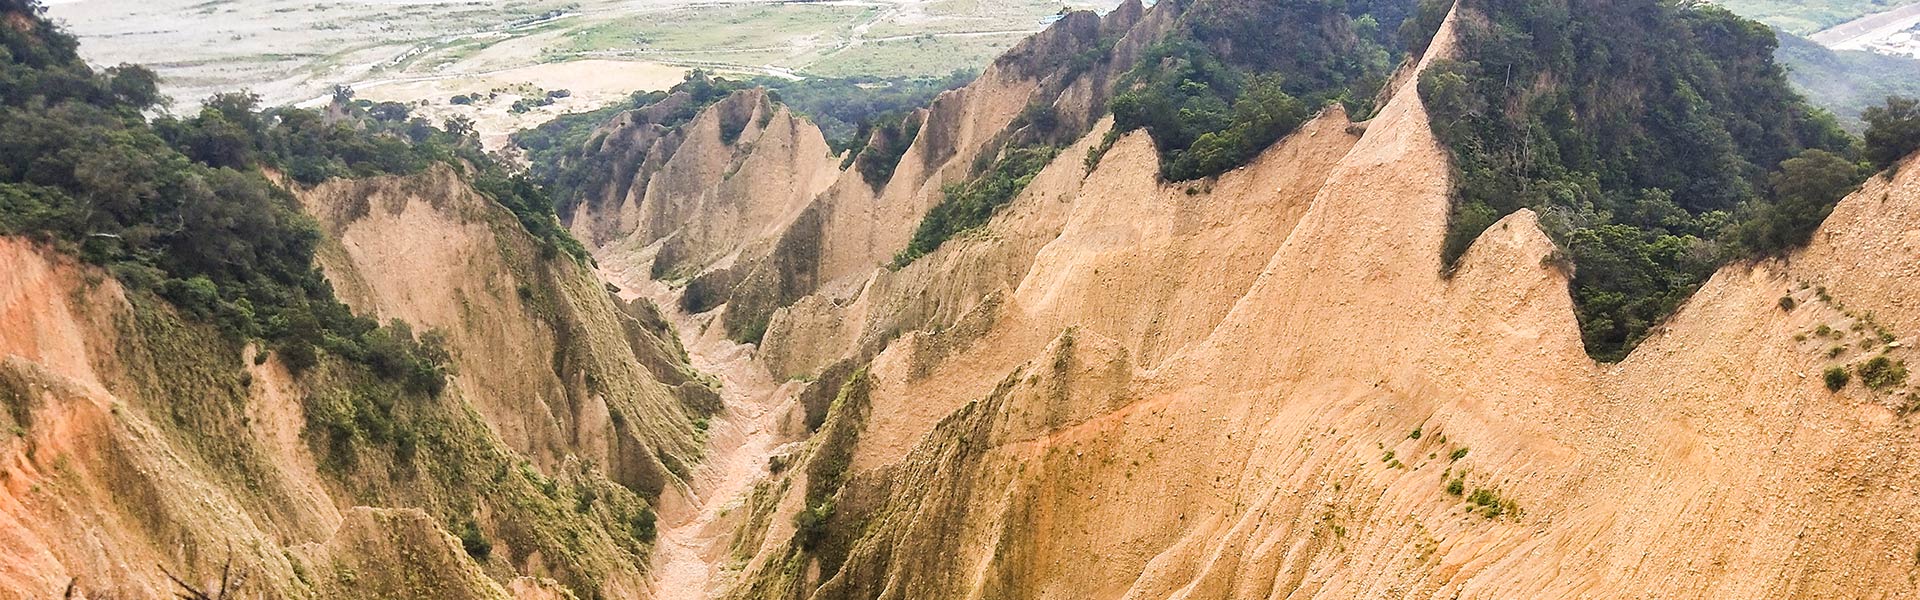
x,y
887,141
1837,378
1881,372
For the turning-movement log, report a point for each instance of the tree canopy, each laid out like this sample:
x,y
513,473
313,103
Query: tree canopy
x,y
1223,86
1893,131
1657,140
182,208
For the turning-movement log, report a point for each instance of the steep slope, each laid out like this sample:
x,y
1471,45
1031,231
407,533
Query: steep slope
x,y
1068,405
1114,252
554,364
140,443
1257,385
110,482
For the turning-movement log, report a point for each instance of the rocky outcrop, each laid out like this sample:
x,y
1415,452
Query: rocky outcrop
x,y
556,365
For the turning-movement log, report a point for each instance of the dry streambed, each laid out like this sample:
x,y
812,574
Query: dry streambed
x,y
690,559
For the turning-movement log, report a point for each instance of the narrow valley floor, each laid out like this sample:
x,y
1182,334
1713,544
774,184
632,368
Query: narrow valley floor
x,y
691,560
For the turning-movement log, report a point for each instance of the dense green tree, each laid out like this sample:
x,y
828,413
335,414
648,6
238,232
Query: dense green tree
x,y
1657,141
888,138
179,207
1804,191
1893,131
1223,86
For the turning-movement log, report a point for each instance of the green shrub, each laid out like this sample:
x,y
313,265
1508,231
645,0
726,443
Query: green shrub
x,y
1099,151
1836,378
810,525
969,205
1483,497
1458,453
475,542
1491,504
1893,131
644,526
1881,372
887,143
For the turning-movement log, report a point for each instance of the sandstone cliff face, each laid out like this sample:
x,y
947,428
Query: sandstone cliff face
x,y
1267,388
135,441
553,362
106,481
686,199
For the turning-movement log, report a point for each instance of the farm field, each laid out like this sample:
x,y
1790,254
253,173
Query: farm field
x,y
1805,17
425,52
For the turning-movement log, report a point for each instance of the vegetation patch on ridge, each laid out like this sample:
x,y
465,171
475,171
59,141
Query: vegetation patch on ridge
x,y
827,466
969,204
180,207
1224,85
1656,140
1214,93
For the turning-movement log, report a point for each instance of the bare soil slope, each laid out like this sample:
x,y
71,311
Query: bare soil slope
x,y
136,442
680,201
